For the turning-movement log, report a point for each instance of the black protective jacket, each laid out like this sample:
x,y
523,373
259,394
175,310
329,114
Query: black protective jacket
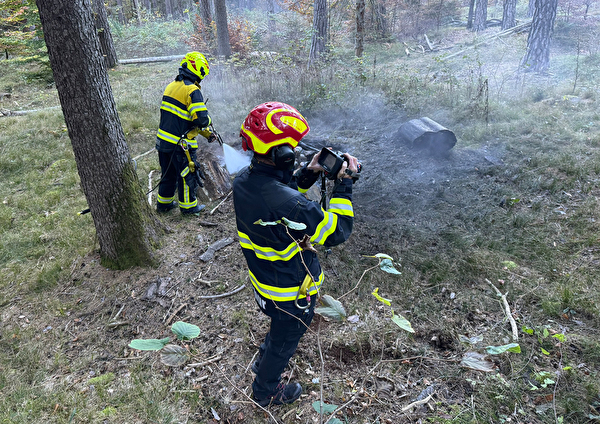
x,y
262,196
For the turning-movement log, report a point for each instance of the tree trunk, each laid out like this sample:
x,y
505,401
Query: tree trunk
x,y
320,29
137,11
205,13
509,13
223,45
360,28
148,7
531,9
168,9
480,23
537,57
120,12
470,17
104,35
271,12
125,225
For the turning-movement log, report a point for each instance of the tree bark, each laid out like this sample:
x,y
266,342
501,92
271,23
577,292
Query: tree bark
x,y
531,9
471,12
205,13
537,57
320,30
223,45
271,15
480,23
107,45
120,12
360,28
125,225
168,9
509,13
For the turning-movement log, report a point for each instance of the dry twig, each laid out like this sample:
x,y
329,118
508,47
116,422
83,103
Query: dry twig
x,y
513,324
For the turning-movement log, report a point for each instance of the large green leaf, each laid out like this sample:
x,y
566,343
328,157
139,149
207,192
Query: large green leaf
x,y
497,350
402,322
173,355
185,331
327,407
331,308
148,344
387,266
298,226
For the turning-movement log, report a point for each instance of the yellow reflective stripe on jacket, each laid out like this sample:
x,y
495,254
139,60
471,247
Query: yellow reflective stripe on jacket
x,y
325,227
268,253
183,114
341,206
303,190
283,294
163,135
196,107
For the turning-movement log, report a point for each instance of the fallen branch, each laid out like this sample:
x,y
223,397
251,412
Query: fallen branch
x,y
222,201
150,59
210,252
416,403
489,37
208,361
513,324
217,296
183,305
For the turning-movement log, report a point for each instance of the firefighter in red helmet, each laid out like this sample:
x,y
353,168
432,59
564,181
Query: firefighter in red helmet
x,y
278,267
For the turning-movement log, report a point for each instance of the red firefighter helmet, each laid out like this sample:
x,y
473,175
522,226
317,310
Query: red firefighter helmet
x,y
272,124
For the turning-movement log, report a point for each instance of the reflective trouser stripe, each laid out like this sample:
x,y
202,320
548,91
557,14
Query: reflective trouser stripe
x,y
283,294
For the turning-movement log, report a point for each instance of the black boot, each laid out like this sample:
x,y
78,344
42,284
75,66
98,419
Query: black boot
x,y
284,393
165,207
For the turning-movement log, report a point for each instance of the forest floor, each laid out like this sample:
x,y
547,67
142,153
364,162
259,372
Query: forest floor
x,y
369,365
490,212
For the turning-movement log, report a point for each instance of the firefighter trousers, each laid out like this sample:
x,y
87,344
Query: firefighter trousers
x,y
275,352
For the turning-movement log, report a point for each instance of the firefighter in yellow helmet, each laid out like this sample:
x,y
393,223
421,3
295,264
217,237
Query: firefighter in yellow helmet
x,y
268,190
183,115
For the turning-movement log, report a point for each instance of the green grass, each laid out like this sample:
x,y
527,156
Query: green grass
x,y
551,232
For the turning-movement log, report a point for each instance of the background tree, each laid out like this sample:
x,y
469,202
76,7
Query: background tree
x,y
320,29
224,47
124,223
360,28
537,57
509,14
107,45
480,23
471,12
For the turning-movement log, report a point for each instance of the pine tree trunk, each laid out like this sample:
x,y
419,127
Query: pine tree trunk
x,y
319,36
537,57
125,225
480,23
271,12
223,45
360,28
104,35
531,8
168,9
471,12
509,13
120,12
